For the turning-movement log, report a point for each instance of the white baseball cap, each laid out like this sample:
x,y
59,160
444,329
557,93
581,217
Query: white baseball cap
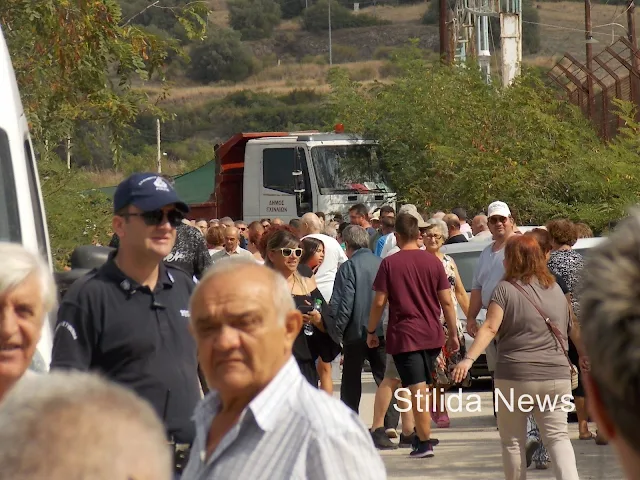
x,y
498,208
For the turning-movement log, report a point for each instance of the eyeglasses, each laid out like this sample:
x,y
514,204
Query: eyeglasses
x,y
437,236
494,220
243,229
287,252
157,217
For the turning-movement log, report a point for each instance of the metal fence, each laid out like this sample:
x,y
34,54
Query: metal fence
x,y
615,74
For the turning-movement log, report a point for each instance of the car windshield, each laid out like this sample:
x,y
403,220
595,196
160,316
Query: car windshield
x,y
348,168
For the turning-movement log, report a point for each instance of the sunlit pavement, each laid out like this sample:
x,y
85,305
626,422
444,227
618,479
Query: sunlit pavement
x,y
470,448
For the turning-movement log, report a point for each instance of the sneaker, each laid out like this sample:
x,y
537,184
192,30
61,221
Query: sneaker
x,y
423,450
530,448
381,441
391,433
443,420
407,441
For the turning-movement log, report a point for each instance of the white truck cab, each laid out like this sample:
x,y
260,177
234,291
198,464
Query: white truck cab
x,y
22,218
285,175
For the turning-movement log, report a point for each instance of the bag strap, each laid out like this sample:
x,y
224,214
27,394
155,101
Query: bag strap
x,y
552,328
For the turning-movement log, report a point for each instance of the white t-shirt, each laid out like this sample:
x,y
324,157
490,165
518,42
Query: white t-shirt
x,y
334,256
389,243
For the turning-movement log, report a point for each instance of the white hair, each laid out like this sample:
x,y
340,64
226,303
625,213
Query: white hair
x,y
282,298
355,237
18,264
77,425
439,225
331,232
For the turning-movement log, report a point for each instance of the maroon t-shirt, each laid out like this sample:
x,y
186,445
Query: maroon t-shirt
x,y
412,280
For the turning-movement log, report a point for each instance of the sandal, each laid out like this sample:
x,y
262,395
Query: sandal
x,y
589,436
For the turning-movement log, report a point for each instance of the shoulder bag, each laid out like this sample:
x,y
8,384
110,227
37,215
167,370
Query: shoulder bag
x,y
556,334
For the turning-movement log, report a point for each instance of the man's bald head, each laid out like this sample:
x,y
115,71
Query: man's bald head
x,y
479,224
277,221
231,239
310,224
244,321
76,425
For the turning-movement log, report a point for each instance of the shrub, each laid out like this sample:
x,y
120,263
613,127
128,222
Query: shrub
x,y
222,56
315,18
254,19
384,52
432,14
344,53
292,8
362,73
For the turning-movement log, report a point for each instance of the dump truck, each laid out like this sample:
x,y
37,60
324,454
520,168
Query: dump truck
x,y
287,174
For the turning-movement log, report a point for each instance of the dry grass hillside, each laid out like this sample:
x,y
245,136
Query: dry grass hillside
x,y
297,59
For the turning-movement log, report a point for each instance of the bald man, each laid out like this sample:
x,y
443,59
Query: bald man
x,y
480,229
232,246
245,321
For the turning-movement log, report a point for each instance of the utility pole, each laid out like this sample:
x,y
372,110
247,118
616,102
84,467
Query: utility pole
x,y
589,51
444,40
159,161
635,88
68,152
330,47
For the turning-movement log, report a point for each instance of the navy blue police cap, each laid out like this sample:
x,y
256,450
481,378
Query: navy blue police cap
x,y
147,191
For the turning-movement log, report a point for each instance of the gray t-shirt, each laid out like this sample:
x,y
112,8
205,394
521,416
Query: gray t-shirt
x,y
489,272
526,348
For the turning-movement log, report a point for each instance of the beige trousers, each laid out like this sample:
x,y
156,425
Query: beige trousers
x,y
551,422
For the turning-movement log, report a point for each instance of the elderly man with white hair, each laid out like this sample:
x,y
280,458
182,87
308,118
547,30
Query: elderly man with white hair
x,y
262,420
27,294
76,425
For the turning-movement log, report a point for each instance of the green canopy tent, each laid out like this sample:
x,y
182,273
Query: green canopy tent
x,y
192,187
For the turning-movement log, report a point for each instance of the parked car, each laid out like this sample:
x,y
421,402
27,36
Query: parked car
x,y
466,257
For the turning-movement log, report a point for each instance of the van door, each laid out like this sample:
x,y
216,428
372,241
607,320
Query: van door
x,y
22,218
278,197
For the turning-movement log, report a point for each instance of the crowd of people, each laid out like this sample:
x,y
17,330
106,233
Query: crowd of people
x,y
226,358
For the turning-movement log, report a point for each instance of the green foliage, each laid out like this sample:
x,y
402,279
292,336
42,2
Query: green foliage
x,y
292,8
449,139
222,56
75,214
316,18
254,19
75,62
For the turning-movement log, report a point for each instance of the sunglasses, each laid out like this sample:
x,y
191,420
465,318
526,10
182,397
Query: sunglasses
x,y
494,220
287,252
157,217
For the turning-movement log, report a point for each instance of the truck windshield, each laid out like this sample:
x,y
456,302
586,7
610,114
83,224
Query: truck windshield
x,y
348,168
9,217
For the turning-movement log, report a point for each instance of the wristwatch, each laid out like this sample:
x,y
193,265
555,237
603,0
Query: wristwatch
x,y
371,333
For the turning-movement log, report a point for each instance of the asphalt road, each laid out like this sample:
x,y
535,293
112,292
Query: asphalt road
x,y
470,448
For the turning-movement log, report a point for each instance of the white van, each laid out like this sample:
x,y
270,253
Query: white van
x,y
22,218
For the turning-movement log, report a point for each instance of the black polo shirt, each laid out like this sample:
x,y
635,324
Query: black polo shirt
x,y
110,324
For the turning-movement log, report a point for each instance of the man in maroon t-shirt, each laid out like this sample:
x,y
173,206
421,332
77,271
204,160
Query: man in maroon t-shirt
x,y
417,288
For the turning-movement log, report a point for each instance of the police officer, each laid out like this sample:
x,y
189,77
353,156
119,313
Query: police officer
x,y
129,318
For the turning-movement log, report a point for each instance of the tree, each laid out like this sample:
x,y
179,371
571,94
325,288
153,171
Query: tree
x,y
75,61
222,56
449,139
315,18
254,19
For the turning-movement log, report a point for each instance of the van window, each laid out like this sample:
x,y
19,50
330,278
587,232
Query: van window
x,y
38,217
9,215
277,167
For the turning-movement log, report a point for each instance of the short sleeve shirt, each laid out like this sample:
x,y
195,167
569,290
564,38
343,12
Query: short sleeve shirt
x,y
412,280
527,350
489,272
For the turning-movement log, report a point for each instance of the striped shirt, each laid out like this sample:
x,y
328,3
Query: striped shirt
x,y
290,430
